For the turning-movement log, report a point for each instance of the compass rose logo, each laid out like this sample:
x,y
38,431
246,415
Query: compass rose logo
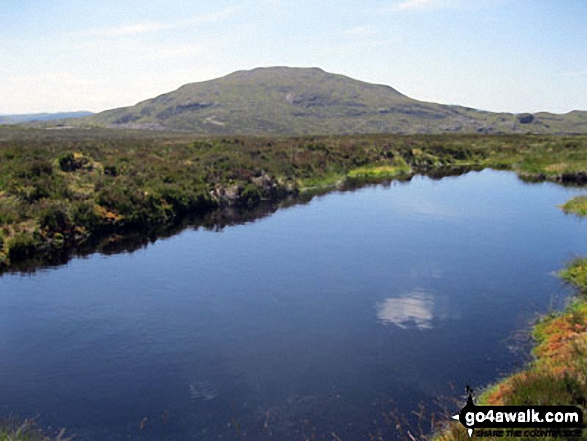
x,y
469,407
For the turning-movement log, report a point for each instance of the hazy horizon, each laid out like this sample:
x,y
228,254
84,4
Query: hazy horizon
x,y
495,55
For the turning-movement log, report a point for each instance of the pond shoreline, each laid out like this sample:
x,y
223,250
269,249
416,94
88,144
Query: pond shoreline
x,y
445,194
558,371
121,238
110,205
61,192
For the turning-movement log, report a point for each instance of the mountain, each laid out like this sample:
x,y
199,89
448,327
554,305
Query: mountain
x,y
32,117
299,101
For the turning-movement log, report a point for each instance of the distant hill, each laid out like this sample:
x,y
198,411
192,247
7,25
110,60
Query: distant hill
x,y
32,117
299,101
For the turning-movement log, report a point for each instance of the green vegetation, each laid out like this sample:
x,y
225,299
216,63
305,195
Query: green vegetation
x,y
576,274
300,101
61,189
26,431
397,168
577,205
558,373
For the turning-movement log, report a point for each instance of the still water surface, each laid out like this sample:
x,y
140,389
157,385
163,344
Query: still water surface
x,y
309,321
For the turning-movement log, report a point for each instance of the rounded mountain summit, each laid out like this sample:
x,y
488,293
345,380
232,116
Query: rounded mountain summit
x,y
303,101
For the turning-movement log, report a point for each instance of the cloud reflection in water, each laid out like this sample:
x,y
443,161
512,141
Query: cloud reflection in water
x,y
414,309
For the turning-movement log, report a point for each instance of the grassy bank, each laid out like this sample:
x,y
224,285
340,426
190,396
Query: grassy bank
x,y
27,431
558,373
60,189
577,205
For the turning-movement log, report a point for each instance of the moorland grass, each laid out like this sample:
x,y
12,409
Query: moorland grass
x,y
27,430
60,189
577,205
558,373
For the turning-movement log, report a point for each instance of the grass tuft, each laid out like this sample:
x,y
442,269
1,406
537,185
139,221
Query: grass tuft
x,y
558,373
577,205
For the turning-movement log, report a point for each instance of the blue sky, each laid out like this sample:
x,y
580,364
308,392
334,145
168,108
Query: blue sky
x,y
499,55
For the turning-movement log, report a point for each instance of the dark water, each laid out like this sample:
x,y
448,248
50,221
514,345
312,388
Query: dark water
x,y
308,322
